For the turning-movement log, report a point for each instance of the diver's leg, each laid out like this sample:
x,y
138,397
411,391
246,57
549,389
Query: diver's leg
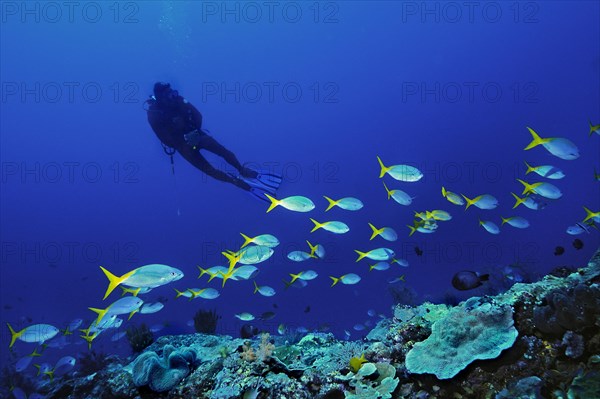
x,y
197,160
208,143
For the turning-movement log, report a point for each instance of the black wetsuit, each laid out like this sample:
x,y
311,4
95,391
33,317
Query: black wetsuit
x,y
173,119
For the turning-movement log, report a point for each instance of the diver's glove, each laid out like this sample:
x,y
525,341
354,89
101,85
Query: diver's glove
x,y
192,138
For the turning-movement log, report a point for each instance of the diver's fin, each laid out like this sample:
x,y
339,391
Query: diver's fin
x,y
269,179
263,183
260,194
258,189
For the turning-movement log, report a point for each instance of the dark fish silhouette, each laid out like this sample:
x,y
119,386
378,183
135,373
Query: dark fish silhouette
x,y
467,280
577,243
559,251
267,316
418,251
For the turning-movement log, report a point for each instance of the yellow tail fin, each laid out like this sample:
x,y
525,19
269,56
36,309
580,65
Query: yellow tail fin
x,y
360,254
384,169
335,280
255,287
14,335
212,276
519,200
101,314
131,314
590,214
332,203
274,202
202,271
233,260
317,225
469,201
226,276
376,231
389,193
114,281
537,140
35,353
247,240
444,192
529,168
131,291
504,220
313,249
295,277
50,373
593,128
528,188
412,229
89,338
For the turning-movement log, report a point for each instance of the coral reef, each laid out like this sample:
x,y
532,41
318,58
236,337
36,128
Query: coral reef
x,y
536,340
163,373
476,330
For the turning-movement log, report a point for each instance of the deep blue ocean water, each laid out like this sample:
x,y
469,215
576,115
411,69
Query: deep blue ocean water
x,y
314,91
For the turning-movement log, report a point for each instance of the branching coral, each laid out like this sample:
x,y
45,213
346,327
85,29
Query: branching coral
x,y
262,353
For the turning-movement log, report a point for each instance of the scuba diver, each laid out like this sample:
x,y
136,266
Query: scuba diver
x,y
178,125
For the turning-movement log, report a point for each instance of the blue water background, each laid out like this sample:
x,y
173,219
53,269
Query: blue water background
x,y
357,66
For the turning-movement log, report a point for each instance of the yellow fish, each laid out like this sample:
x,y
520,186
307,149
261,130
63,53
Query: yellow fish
x,y
295,203
452,197
347,203
357,362
332,226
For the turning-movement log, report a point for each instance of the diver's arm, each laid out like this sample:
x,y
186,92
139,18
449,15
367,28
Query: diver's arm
x,y
196,159
162,130
195,116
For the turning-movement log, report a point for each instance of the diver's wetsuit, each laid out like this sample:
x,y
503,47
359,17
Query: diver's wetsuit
x,y
174,118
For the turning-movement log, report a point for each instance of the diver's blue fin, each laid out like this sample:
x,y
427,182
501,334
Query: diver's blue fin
x,y
269,179
265,182
259,194
258,189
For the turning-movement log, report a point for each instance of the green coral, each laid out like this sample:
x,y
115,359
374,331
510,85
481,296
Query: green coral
x,y
434,312
288,354
367,391
475,330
